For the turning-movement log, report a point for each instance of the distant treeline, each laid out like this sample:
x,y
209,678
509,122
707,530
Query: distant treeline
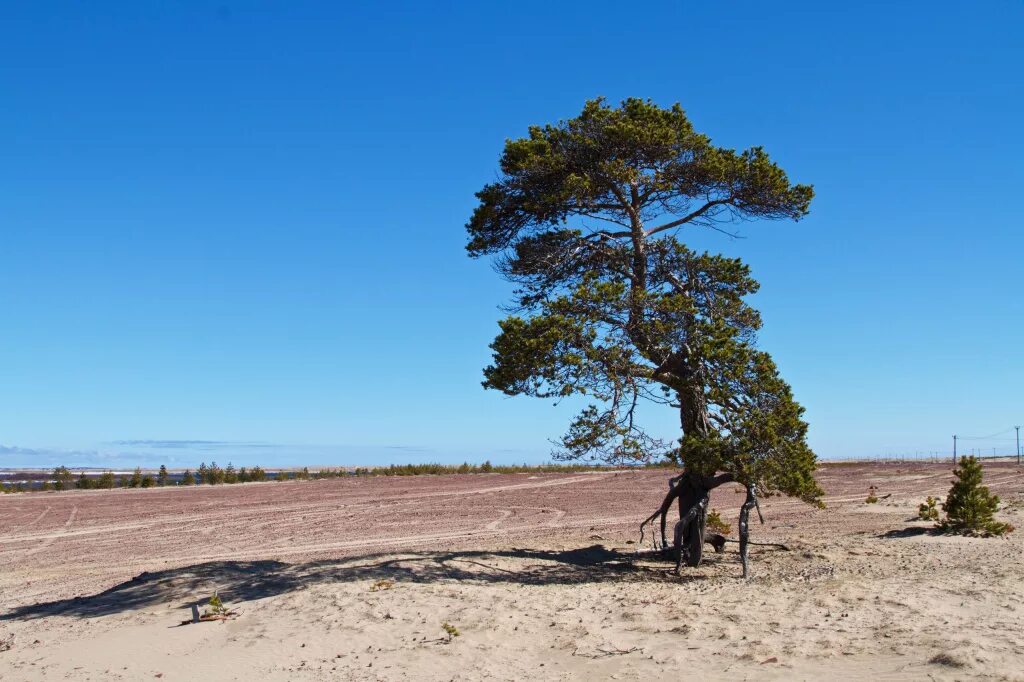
x,y
62,478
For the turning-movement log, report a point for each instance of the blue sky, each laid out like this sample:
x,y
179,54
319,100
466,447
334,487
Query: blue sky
x,y
235,230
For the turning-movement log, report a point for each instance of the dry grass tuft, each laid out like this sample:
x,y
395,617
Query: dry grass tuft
x,y
948,660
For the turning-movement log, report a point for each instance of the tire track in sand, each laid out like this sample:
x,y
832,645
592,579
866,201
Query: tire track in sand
x,y
49,541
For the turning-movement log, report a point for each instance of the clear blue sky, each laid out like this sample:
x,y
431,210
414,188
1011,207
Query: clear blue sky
x,y
242,223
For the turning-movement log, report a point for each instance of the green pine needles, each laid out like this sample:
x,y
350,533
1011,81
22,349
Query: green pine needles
x,y
970,507
586,219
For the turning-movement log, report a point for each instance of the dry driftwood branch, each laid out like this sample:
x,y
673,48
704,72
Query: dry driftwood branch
x,y
604,653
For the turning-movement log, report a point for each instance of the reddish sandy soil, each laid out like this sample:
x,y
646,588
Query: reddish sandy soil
x,y
59,545
351,579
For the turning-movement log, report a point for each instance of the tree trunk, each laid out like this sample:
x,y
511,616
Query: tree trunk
x,y
694,494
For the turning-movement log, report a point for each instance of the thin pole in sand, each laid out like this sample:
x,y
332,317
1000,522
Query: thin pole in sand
x,y
1018,443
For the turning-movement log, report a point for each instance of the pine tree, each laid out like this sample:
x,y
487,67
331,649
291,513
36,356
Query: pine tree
x,y
243,475
161,477
147,481
230,475
136,480
83,482
257,474
203,473
62,478
106,480
188,478
970,506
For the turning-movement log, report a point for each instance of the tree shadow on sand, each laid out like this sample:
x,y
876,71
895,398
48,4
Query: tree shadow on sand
x,y
239,581
910,532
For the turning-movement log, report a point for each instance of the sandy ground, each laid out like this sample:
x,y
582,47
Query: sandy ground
x,y
353,578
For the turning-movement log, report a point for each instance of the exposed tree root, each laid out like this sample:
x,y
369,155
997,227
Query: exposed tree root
x,y
694,494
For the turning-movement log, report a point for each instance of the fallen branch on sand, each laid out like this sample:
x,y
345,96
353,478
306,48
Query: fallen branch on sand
x,y
604,653
210,617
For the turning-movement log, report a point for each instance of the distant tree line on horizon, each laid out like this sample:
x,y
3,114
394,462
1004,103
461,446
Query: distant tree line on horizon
x,y
62,477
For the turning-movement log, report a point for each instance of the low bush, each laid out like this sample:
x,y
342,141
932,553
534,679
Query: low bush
x,y
450,630
928,510
716,524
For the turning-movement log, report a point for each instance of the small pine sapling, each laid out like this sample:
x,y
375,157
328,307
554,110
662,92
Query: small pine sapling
x,y
450,630
970,507
716,524
928,510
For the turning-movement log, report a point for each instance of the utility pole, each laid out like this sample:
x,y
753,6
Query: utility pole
x,y
954,449
1018,443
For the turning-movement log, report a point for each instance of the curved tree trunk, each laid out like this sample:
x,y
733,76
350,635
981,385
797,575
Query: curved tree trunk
x,y
694,493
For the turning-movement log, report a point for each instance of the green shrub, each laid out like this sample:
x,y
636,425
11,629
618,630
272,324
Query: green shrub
x,y
970,507
716,524
84,483
215,607
106,480
147,481
450,630
257,474
136,480
928,511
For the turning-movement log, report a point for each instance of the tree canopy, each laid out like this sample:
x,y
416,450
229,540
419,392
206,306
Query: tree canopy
x,y
610,304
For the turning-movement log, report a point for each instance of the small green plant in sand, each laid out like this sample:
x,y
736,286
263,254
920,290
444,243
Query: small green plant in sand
x,y
716,524
450,630
215,607
928,510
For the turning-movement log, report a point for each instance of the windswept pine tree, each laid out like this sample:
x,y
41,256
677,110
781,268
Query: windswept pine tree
x,y
585,220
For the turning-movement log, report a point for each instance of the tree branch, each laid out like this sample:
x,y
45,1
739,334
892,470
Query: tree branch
x,y
687,218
